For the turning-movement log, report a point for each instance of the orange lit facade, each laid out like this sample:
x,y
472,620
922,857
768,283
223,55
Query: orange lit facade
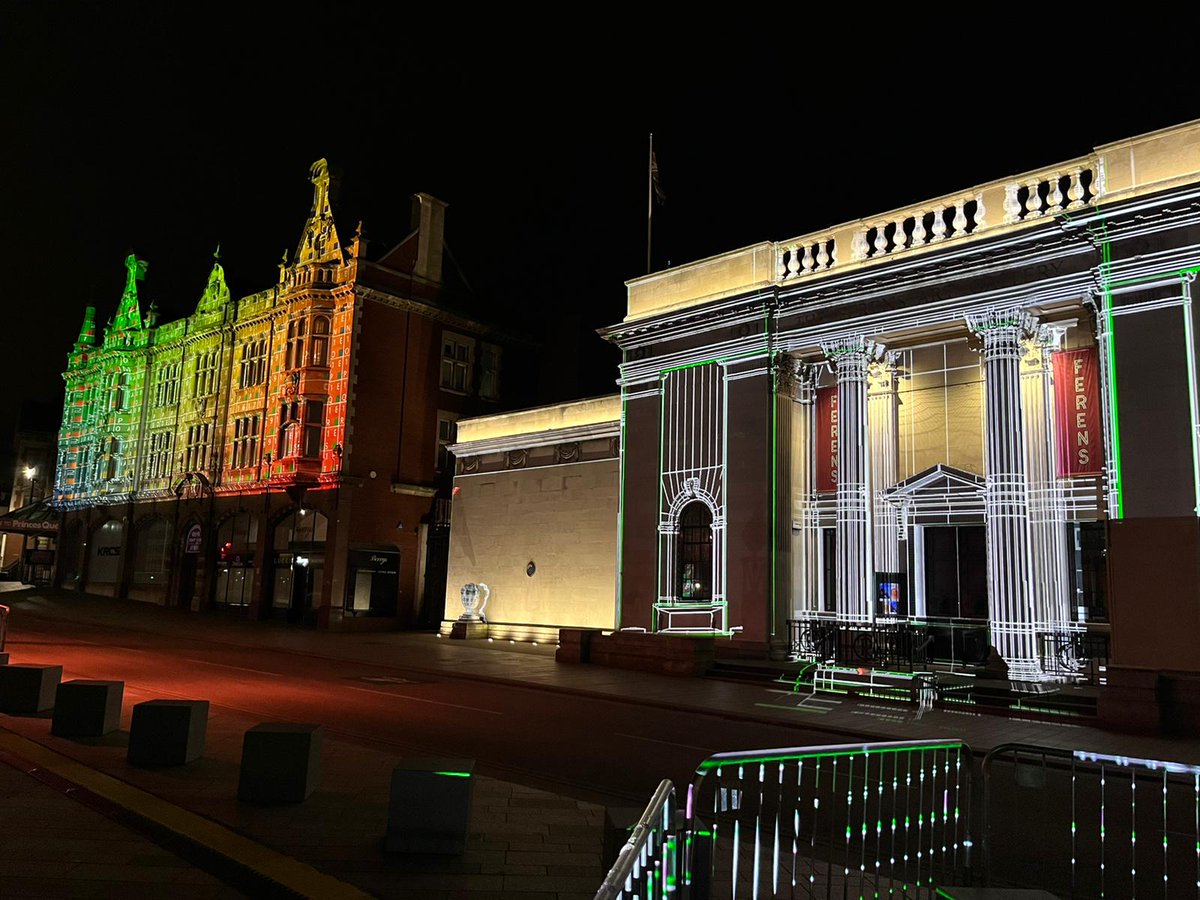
x,y
280,454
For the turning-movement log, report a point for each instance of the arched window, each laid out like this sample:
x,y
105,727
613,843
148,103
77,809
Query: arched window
x,y
295,343
304,527
694,575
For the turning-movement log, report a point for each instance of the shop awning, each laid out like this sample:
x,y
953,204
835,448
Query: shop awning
x,y
38,517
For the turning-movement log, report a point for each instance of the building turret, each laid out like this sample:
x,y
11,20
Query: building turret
x,y
87,331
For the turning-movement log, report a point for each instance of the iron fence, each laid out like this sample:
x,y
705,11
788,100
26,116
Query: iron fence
x,y
887,819
1089,825
1083,654
646,868
898,646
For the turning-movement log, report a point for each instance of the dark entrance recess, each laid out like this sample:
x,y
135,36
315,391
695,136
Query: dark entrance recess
x,y
956,572
373,581
694,577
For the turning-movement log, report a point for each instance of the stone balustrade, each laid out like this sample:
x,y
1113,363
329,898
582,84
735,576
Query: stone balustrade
x,y
807,256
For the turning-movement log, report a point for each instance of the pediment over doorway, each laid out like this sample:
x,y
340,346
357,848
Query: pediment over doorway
x,y
939,490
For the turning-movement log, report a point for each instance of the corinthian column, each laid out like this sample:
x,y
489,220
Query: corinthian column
x,y
882,416
855,558
1010,605
806,571
1047,502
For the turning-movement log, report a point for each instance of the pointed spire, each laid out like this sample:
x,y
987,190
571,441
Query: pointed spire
x,y
129,316
319,240
87,331
216,292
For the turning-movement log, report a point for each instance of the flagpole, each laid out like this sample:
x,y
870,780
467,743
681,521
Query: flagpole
x,y
649,199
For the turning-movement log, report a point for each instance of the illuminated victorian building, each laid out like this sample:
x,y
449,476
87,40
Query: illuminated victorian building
x,y
280,454
974,418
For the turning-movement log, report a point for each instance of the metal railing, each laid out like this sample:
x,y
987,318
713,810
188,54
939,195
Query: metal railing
x,y
3,626
900,645
1070,821
886,819
1077,653
646,867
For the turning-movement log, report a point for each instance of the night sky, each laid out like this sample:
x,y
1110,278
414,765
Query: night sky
x,y
128,127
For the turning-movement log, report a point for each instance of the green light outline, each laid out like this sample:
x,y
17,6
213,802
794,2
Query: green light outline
x,y
1113,420
710,764
454,774
621,509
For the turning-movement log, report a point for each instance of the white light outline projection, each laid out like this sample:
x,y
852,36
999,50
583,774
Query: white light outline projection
x,y
691,468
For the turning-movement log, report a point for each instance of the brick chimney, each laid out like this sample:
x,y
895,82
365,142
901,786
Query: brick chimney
x,y
429,221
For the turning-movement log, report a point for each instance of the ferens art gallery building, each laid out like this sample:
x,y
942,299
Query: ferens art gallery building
x,y
978,409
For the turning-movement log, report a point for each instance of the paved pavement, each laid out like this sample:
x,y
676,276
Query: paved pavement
x,y
525,843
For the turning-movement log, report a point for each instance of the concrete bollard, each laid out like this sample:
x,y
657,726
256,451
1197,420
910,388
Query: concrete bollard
x,y
281,762
87,708
28,689
167,732
430,806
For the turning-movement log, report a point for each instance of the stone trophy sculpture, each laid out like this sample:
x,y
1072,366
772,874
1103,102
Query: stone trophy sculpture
x,y
472,623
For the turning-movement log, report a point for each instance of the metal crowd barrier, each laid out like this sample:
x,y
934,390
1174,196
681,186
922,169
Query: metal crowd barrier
x,y
646,868
885,819
1070,821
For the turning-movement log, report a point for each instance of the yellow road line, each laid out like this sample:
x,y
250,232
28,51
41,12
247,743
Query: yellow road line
x,y
296,876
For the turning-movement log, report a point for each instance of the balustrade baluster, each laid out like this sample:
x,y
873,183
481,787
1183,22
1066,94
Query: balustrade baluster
x,y
786,256
1012,206
939,224
858,245
1076,191
1033,203
1054,198
900,239
960,218
822,255
980,213
806,263
918,232
881,239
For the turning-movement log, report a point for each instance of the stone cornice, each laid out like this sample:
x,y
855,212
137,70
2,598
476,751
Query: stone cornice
x,y
529,440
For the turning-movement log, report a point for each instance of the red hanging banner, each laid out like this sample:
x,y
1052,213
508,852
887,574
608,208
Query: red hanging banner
x,y
827,439
1077,412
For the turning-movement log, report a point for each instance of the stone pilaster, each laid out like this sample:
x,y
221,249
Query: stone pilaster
x,y
883,419
1010,608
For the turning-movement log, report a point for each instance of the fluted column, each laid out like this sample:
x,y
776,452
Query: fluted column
x,y
1047,500
806,570
855,558
882,416
1010,605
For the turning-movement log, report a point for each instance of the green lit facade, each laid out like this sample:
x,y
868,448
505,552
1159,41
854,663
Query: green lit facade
x,y
209,460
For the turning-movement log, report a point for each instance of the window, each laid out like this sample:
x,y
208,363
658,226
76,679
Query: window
x,y
111,468
456,362
298,438
245,442
447,435
158,460
314,422
320,341
252,368
295,343
197,448
489,377
120,384
166,385
205,381
695,553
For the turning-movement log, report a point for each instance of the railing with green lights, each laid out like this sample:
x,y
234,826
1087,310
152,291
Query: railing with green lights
x,y
1069,822
646,868
887,819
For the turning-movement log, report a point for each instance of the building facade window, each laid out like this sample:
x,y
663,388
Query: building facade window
x,y
489,375
245,442
119,389
111,466
314,424
457,353
166,385
196,456
294,358
158,459
205,381
252,369
320,341
447,434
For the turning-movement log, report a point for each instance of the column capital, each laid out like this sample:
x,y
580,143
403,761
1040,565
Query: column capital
x,y
881,374
851,353
793,376
1002,322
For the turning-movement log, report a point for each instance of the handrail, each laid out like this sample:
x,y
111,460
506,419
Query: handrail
x,y
743,794
636,859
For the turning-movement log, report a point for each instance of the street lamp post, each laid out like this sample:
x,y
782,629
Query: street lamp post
x,y
31,475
